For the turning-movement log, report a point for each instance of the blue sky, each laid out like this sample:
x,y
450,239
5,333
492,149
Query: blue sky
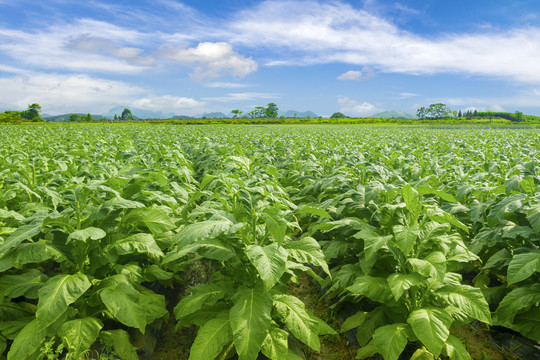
x,y
189,57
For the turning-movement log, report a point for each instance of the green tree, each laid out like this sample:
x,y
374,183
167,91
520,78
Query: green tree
x,y
88,117
127,115
271,111
32,113
259,111
115,117
74,117
518,115
338,115
435,111
236,113
10,116
421,113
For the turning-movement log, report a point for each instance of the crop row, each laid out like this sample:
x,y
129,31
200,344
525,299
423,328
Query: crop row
x,y
418,230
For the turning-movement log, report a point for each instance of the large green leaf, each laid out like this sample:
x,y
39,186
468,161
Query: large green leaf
x,y
27,342
206,294
153,304
57,294
202,230
269,261
455,350
353,321
275,345
24,232
307,251
516,301
506,205
250,320
302,324
433,266
122,301
79,334
372,244
83,235
156,220
523,266
410,196
119,341
374,288
142,243
276,224
26,284
391,340
25,254
467,299
4,214
405,237
528,185
313,210
399,283
533,215
431,326
528,323
211,338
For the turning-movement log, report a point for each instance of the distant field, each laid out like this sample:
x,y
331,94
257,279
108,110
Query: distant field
x,y
319,242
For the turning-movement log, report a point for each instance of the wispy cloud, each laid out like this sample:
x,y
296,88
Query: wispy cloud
x,y
226,85
59,93
366,73
231,97
406,95
336,32
350,75
64,93
69,47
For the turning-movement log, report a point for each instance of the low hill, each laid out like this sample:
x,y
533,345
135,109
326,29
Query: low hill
x,y
298,114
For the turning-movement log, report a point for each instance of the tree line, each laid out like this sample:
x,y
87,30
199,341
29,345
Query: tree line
x,y
31,114
441,111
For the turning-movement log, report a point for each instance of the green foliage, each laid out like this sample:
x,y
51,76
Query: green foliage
x,y
434,111
126,115
95,220
338,115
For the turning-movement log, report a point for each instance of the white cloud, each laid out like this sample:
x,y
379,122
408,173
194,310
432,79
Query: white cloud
x,y
336,32
70,47
65,93
355,108
169,103
212,60
58,94
366,73
406,95
226,85
243,96
350,75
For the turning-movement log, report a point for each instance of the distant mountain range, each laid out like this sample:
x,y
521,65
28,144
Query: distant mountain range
x,y
65,117
299,114
148,114
393,115
138,113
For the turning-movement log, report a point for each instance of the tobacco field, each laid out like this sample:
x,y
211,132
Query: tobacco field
x,y
405,233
